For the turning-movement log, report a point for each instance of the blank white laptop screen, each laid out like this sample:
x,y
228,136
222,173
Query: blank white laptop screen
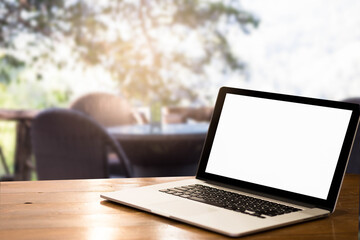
x,y
284,145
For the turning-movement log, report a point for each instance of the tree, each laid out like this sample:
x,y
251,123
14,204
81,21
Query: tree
x,y
151,47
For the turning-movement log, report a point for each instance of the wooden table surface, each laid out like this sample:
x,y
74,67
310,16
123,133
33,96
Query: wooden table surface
x,y
73,209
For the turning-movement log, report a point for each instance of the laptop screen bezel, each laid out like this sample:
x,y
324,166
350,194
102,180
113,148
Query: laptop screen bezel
x,y
330,201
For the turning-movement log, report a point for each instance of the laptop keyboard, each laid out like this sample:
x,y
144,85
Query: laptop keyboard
x,y
230,200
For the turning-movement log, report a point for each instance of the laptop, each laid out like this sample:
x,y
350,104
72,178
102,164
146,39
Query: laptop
x,y
269,160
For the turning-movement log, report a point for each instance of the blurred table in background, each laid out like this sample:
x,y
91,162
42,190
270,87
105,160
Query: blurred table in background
x,y
22,159
166,150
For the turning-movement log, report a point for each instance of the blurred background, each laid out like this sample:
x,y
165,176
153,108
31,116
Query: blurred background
x,y
172,53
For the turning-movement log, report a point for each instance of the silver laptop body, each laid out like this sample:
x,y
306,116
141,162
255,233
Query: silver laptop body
x,y
287,150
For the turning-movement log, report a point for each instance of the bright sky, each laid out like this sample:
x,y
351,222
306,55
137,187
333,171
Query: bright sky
x,y
304,47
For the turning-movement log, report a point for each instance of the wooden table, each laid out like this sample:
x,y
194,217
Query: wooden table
x,y
169,150
73,209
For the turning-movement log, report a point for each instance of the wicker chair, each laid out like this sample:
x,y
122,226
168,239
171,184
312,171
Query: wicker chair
x,y
69,145
354,161
107,109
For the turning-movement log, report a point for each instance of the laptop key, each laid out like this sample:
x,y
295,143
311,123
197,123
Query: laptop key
x,y
197,199
185,196
165,190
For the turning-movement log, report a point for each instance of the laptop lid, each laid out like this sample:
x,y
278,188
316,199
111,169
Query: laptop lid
x,y
286,146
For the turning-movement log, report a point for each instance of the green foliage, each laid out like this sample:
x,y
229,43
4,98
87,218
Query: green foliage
x,y
18,91
9,68
142,43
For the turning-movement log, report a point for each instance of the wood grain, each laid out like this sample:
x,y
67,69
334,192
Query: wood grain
x,y
73,209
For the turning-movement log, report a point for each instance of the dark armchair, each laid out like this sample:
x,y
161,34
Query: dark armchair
x,y
69,145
